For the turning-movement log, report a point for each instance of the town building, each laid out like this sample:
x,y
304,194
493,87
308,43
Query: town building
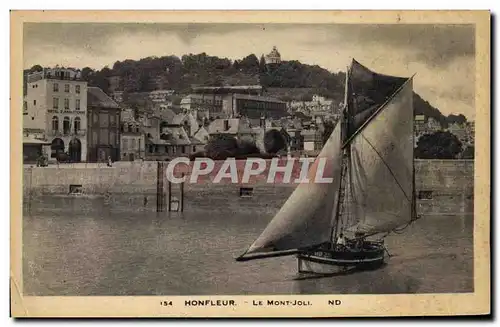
x,y
232,102
173,142
463,132
425,125
273,58
56,104
115,83
160,96
318,105
202,105
132,143
202,135
312,140
117,96
188,121
33,148
236,127
103,137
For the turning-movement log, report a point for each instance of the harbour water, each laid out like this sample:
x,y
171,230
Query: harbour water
x,y
93,247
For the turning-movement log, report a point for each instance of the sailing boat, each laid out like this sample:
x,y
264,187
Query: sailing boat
x,y
370,158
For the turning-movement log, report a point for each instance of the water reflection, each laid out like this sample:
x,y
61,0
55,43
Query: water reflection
x,y
88,247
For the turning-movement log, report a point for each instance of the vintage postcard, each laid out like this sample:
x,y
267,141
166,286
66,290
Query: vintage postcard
x,y
250,164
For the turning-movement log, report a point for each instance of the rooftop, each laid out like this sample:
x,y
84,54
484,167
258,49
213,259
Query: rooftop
x,y
97,98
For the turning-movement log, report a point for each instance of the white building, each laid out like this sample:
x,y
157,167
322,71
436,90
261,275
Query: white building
x,y
160,96
317,104
132,139
274,57
56,103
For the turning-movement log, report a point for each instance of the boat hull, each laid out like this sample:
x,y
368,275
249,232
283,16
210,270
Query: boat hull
x,y
326,261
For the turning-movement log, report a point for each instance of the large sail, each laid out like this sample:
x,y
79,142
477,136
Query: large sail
x,y
367,92
381,166
306,217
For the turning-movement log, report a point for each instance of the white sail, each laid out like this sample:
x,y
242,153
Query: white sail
x,y
306,217
381,167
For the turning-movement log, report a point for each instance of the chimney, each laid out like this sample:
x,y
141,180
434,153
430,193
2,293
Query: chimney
x,y
262,122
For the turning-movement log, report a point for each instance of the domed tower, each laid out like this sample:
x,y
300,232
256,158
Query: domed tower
x,y
274,57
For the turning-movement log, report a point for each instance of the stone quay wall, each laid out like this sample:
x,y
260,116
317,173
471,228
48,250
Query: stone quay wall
x,y
442,186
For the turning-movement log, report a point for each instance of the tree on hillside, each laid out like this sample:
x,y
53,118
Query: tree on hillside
x,y
328,127
262,64
36,68
86,72
236,65
456,119
138,103
274,141
250,64
221,147
468,153
422,107
247,147
439,145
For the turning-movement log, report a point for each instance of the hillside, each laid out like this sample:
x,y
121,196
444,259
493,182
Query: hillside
x,y
291,80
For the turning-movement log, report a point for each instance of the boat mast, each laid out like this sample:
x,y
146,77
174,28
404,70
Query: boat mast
x,y
344,129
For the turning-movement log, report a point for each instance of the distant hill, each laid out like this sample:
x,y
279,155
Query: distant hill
x,y
291,80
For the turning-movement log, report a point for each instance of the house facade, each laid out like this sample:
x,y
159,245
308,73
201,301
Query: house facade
x,y
56,103
103,137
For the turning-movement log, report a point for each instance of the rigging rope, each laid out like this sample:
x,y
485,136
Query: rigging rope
x,y
385,163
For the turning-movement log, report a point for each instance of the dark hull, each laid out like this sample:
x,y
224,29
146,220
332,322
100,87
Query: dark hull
x,y
325,260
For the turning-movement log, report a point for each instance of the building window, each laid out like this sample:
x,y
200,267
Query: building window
x,y
183,149
77,89
66,126
77,104
104,119
246,192
194,148
34,102
55,123
77,124
55,87
113,140
66,103
112,120
425,195
132,146
55,103
125,144
66,88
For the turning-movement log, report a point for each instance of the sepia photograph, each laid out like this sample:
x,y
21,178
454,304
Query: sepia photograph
x,y
234,164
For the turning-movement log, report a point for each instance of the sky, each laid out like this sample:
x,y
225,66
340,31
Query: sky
x,y
441,56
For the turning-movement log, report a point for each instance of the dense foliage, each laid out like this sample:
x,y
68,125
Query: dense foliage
x,y
439,145
274,141
179,74
468,152
224,146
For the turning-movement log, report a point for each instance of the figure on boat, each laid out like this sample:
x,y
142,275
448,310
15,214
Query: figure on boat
x,y
370,157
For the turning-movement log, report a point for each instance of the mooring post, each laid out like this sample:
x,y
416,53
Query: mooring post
x,y
182,195
169,204
159,187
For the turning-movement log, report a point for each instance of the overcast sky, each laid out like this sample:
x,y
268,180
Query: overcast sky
x,y
442,56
